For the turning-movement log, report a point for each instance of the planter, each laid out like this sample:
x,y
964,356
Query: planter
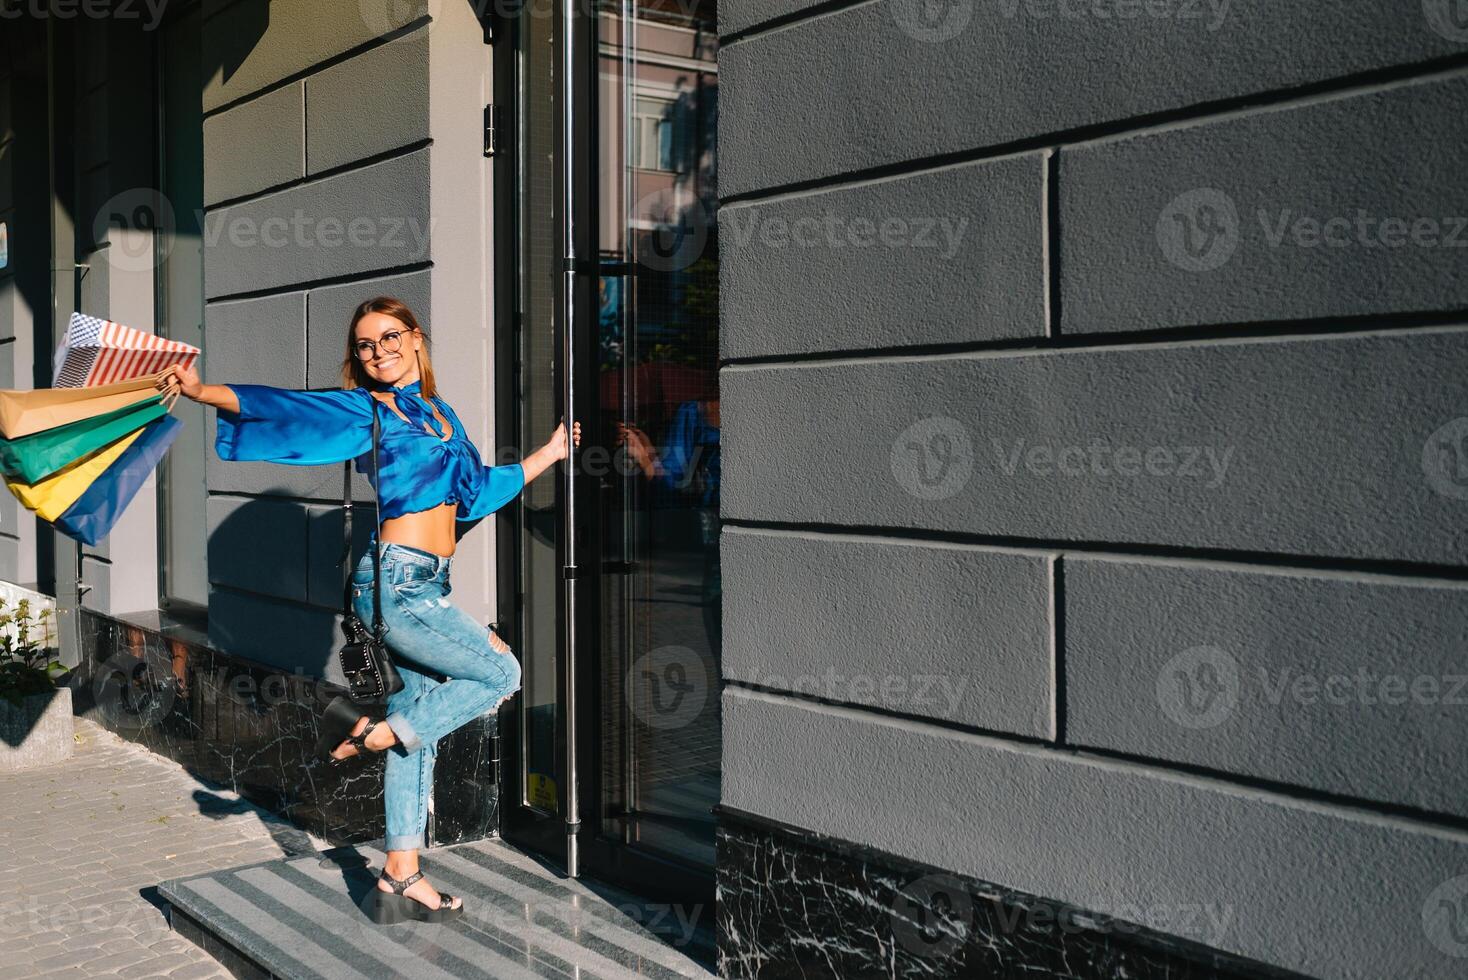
x,y
37,732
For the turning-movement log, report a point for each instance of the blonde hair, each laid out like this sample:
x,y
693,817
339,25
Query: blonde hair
x,y
354,374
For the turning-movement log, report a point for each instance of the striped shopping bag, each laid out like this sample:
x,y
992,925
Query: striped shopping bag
x,y
98,352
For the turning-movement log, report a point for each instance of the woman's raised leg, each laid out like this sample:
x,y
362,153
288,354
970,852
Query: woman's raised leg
x,y
431,634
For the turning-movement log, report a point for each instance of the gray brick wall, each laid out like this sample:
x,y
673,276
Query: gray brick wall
x,y
1109,371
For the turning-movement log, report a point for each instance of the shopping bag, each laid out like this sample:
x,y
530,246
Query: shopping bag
x,y
98,352
52,496
32,458
96,511
25,412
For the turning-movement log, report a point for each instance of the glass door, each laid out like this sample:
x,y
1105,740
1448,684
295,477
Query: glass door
x,y
656,361
645,366
530,313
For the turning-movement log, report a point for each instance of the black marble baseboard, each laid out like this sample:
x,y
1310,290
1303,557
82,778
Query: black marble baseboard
x,y
799,905
253,729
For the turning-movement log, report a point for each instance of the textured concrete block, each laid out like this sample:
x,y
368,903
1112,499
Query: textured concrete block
x,y
951,256
258,545
1351,207
1247,872
37,731
356,222
254,43
1351,687
878,83
261,341
741,16
326,581
329,310
276,634
943,631
375,102
255,145
1183,445
257,341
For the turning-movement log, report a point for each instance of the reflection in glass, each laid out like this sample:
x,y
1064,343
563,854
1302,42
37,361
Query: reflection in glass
x,y
539,276
657,357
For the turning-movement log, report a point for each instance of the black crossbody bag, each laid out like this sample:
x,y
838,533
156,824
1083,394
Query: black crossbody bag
x,y
371,676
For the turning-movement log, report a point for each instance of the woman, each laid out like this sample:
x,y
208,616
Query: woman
x,y
431,476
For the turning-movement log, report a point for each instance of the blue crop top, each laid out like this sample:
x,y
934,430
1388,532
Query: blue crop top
x,y
420,470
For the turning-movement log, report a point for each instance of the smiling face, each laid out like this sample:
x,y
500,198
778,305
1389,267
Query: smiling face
x,y
385,366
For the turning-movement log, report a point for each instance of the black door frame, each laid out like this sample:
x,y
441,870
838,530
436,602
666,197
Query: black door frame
x,y
606,859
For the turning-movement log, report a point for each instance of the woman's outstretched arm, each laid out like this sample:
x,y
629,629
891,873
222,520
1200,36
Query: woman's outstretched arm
x,y
191,387
283,425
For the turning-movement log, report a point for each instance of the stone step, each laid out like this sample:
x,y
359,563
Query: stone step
x,y
301,918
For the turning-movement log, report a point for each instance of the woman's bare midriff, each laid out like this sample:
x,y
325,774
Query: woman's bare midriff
x,y
427,530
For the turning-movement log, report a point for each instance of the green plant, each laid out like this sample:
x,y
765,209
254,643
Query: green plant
x,y
27,665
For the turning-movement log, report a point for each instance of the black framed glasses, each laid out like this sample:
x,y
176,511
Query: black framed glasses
x,y
390,342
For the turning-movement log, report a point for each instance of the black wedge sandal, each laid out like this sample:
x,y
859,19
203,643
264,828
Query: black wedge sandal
x,y
337,722
336,726
390,909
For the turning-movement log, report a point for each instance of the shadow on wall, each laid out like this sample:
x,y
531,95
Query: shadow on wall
x,y
277,588
248,21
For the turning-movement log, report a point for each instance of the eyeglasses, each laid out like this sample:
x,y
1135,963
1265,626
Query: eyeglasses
x,y
391,342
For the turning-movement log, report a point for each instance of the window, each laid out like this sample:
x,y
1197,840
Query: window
x,y
652,134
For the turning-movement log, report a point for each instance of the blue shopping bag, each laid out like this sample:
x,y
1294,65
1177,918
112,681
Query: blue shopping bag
x,y
95,512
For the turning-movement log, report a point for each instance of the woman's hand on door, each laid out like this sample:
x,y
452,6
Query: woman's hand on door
x,y
551,453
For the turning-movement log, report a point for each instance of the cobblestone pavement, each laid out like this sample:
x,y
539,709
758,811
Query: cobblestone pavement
x,y
88,840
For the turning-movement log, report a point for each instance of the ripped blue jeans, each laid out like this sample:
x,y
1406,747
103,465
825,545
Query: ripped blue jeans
x,y
427,635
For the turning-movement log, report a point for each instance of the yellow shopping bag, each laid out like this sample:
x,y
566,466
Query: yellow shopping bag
x,y
52,496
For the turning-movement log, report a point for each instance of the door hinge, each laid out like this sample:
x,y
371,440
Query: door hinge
x,y
491,129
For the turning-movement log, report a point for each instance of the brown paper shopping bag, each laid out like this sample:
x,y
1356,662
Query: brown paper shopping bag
x,y
25,412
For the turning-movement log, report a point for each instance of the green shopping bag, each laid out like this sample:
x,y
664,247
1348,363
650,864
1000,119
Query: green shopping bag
x,y
32,458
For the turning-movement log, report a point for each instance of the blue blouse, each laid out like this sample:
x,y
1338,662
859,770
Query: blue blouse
x,y
420,469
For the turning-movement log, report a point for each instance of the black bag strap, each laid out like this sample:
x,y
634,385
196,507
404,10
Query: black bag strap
x,y
377,627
